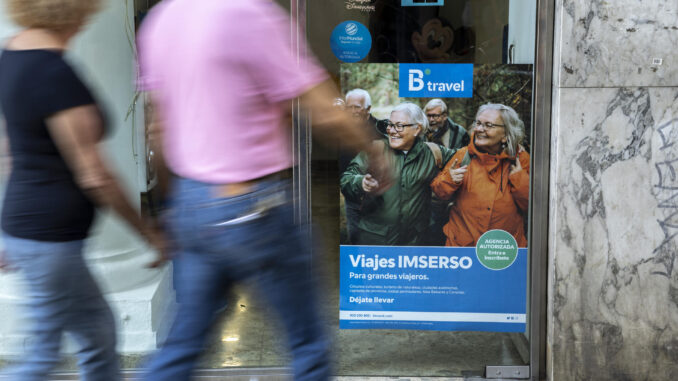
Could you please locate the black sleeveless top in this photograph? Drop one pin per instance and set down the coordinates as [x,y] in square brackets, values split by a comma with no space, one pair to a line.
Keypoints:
[42,201]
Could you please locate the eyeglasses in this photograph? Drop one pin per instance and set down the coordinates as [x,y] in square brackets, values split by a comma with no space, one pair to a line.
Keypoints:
[487,125]
[399,127]
[355,108]
[434,116]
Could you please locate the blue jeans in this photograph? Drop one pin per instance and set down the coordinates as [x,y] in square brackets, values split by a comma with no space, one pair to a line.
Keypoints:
[62,297]
[224,240]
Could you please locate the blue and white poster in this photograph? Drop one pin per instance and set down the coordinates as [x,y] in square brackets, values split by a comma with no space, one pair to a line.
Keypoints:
[436,243]
[350,41]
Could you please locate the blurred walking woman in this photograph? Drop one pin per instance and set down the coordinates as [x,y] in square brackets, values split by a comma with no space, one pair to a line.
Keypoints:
[58,176]
[489,179]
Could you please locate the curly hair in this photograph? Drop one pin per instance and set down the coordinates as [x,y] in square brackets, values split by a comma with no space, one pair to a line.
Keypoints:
[56,15]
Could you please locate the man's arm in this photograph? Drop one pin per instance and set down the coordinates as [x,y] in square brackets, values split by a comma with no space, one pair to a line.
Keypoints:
[155,139]
[351,180]
[331,124]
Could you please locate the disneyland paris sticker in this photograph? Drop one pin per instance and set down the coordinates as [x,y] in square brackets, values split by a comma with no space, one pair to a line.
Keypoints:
[361,5]
[350,41]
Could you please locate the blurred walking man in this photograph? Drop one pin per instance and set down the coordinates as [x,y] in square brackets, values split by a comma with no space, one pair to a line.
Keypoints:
[221,75]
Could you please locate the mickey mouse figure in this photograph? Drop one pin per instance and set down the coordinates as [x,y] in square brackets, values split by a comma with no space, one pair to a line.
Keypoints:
[436,42]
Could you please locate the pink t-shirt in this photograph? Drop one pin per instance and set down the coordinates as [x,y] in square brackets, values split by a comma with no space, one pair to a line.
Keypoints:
[220,71]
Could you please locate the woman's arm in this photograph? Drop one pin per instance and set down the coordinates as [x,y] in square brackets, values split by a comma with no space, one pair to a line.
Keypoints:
[448,153]
[76,133]
[519,181]
[444,185]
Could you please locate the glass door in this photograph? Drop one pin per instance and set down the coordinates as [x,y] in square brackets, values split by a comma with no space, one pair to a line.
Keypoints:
[424,283]
[398,301]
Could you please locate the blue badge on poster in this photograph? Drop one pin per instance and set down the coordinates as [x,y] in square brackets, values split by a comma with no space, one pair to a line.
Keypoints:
[422,3]
[351,41]
[435,80]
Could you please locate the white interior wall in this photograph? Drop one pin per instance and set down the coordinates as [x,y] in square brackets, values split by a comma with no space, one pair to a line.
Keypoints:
[522,30]
[103,54]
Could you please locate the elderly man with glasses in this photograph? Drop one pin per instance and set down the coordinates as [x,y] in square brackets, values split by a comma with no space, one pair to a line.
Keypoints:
[442,130]
[400,215]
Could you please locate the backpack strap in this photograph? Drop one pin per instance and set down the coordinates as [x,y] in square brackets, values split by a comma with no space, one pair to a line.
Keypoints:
[437,154]
[467,158]
[454,141]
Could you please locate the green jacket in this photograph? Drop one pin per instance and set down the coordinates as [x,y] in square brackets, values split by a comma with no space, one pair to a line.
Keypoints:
[400,216]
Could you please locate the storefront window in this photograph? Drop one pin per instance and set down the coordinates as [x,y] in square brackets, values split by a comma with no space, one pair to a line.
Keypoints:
[430,275]
[427,277]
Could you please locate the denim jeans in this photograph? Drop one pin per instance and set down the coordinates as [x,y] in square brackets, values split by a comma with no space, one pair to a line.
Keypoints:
[62,296]
[225,240]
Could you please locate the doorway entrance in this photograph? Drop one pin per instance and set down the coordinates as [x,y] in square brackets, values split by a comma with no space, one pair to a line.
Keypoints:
[497,39]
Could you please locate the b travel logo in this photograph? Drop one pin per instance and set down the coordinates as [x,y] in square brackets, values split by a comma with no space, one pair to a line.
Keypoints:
[435,80]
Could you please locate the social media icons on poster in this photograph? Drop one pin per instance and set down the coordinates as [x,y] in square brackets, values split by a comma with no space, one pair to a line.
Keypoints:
[351,41]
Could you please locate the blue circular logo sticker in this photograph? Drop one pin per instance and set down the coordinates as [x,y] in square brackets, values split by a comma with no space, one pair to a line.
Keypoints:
[351,41]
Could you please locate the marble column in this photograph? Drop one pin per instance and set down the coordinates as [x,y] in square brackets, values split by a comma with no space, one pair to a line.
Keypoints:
[613,275]
[104,57]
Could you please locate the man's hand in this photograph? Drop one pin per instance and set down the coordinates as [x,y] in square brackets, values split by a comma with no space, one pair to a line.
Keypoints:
[457,173]
[156,238]
[380,168]
[4,265]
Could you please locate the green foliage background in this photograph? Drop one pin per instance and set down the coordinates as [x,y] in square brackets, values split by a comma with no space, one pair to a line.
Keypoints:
[492,83]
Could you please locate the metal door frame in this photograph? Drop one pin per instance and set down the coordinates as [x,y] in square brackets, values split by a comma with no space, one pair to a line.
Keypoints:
[539,187]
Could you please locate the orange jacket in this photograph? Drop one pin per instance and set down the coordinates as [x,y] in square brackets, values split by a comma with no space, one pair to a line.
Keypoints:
[488,198]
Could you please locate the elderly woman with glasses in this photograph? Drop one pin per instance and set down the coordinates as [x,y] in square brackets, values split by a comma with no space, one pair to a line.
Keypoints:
[489,179]
[400,214]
